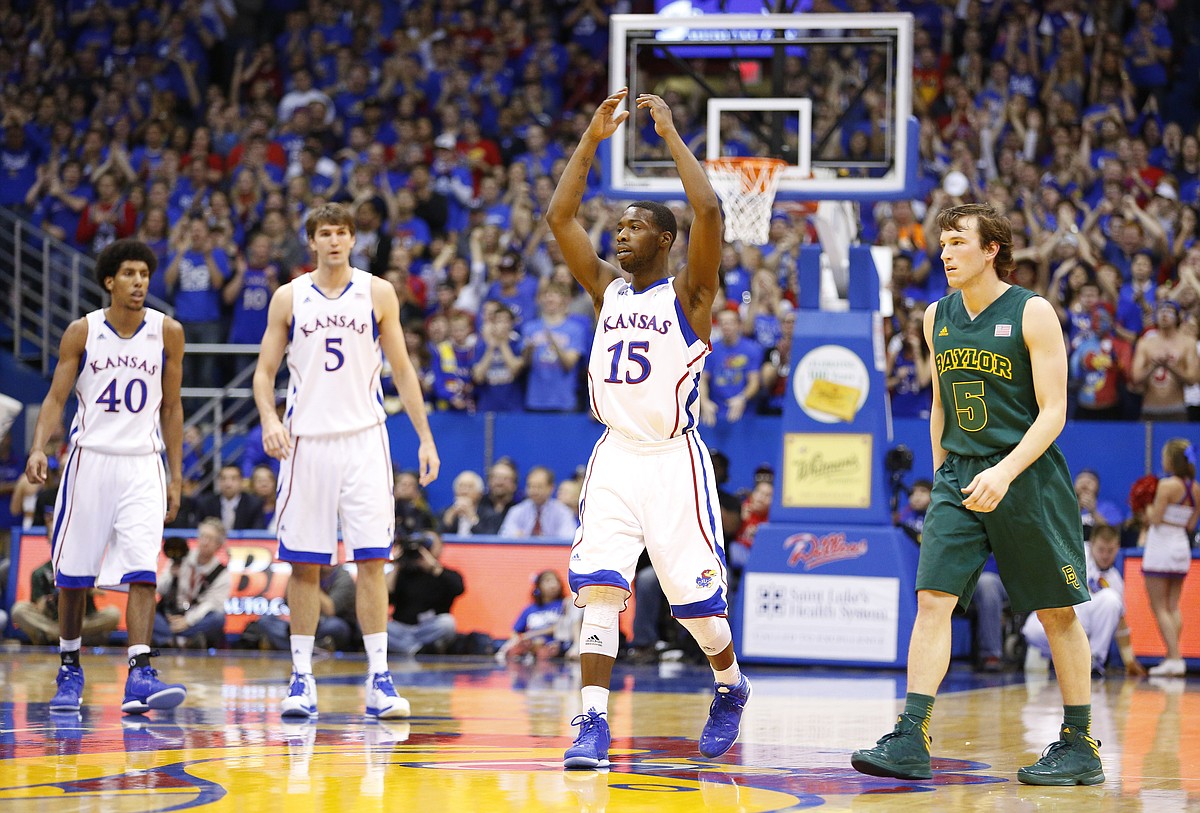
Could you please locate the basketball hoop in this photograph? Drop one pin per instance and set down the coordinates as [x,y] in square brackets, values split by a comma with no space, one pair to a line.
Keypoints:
[746,187]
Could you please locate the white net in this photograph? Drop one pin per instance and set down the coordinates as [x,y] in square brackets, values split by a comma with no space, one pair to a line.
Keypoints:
[746,187]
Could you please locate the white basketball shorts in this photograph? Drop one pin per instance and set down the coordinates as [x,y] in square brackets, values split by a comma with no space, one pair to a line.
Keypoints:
[661,496]
[328,476]
[108,520]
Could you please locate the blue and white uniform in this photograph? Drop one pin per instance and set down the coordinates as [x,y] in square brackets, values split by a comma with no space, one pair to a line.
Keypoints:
[108,516]
[340,462]
[650,482]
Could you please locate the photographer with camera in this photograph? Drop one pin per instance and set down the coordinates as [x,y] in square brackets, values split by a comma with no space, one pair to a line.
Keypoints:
[38,617]
[193,591]
[421,591]
[897,462]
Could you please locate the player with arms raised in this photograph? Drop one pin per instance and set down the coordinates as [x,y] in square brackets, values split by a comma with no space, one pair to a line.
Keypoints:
[649,483]
[1000,486]
[333,442]
[125,364]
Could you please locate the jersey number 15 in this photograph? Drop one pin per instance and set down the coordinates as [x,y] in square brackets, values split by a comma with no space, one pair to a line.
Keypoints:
[635,358]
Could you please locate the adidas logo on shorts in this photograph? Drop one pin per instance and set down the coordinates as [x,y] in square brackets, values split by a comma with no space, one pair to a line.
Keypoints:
[593,640]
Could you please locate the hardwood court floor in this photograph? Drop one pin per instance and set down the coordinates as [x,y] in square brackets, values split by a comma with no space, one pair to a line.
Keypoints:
[488,738]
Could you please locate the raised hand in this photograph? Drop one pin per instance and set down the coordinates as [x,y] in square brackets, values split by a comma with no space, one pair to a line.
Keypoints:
[659,111]
[606,120]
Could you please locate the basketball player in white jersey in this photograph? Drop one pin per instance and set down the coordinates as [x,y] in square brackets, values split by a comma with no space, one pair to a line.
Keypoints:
[333,444]
[649,482]
[125,364]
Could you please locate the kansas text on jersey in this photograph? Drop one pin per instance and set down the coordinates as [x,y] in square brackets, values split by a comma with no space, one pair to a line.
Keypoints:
[644,371]
[334,359]
[119,388]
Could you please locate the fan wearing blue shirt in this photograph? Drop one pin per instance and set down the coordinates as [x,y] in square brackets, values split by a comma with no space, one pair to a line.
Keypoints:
[453,387]
[63,202]
[1135,302]
[533,634]
[731,374]
[513,289]
[409,230]
[554,346]
[19,159]
[249,291]
[498,364]
[734,277]
[195,275]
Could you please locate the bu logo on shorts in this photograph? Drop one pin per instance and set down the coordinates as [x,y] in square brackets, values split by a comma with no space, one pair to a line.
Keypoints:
[705,578]
[1069,575]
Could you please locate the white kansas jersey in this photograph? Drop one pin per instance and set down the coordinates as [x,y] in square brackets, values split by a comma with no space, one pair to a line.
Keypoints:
[119,388]
[334,359]
[644,372]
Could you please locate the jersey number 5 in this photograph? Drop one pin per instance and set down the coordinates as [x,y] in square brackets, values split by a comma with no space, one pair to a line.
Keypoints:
[635,357]
[969,407]
[331,347]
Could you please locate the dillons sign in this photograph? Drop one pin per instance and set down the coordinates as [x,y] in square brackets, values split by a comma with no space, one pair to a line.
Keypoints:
[812,551]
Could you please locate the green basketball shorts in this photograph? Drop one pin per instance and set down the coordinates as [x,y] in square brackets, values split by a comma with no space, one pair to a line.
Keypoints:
[1035,534]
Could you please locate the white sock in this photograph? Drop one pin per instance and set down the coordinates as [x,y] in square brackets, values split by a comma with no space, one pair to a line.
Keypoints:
[138,649]
[595,697]
[376,646]
[302,647]
[729,676]
[72,645]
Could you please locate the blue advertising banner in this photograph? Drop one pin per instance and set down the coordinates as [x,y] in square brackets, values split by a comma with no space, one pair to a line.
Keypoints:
[827,594]
[836,425]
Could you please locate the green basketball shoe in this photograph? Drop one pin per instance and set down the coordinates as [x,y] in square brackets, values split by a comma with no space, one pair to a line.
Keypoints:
[1073,760]
[902,753]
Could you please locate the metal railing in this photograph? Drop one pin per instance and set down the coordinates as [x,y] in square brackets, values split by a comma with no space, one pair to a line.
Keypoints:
[47,284]
[227,410]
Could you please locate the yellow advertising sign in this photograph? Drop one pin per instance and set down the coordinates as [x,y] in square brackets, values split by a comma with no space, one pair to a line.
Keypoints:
[838,400]
[827,470]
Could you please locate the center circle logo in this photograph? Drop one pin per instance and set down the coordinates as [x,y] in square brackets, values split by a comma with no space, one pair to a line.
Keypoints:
[837,365]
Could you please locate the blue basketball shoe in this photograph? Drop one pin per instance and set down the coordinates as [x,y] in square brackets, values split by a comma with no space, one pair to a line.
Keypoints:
[69,697]
[724,717]
[591,746]
[144,691]
[382,700]
[302,697]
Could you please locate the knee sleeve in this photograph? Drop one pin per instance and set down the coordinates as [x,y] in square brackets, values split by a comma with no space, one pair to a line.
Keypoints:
[599,634]
[712,633]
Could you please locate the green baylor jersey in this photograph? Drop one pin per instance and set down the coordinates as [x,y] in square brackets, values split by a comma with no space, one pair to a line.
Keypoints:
[984,374]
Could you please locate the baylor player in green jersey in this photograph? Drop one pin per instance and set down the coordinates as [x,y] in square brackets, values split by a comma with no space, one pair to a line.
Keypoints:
[1001,487]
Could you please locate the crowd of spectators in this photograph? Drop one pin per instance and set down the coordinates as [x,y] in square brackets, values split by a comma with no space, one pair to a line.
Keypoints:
[1080,121]
[209,127]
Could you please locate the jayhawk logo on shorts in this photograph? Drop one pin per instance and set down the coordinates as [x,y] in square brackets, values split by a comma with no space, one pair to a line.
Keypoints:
[705,578]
